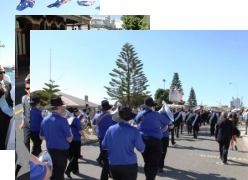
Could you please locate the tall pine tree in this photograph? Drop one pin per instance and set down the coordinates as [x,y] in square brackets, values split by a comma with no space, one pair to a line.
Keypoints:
[136,22]
[128,82]
[192,99]
[176,82]
[46,93]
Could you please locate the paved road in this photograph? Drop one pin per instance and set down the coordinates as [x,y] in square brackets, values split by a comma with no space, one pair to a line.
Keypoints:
[189,159]
[23,154]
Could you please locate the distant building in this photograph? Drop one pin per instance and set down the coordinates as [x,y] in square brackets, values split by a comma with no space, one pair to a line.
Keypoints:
[236,103]
[105,23]
[25,23]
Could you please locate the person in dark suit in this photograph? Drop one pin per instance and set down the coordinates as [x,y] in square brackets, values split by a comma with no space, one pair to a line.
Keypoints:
[178,121]
[212,120]
[223,135]
[188,121]
[196,122]
[6,108]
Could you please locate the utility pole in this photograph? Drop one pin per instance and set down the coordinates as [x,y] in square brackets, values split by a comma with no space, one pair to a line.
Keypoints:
[164,83]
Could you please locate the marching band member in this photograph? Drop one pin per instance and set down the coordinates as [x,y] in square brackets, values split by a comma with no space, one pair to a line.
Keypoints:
[57,133]
[178,121]
[149,123]
[165,141]
[75,145]
[212,119]
[35,123]
[188,121]
[103,122]
[120,141]
[196,122]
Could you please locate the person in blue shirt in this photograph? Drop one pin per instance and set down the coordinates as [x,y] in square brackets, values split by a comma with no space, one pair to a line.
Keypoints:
[103,122]
[38,170]
[149,124]
[165,143]
[75,145]
[35,123]
[120,141]
[56,131]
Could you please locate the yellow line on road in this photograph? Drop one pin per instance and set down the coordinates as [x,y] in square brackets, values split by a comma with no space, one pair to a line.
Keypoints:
[17,112]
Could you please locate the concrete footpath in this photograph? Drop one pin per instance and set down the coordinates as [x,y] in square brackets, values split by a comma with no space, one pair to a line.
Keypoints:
[243,139]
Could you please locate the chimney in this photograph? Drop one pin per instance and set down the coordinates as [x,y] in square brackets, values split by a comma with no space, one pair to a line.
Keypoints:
[86,98]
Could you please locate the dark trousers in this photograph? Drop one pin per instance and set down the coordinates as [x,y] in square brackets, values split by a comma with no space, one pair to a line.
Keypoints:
[212,129]
[177,130]
[165,144]
[59,159]
[104,157]
[74,153]
[35,137]
[125,172]
[224,146]
[151,156]
[4,125]
[172,136]
[100,146]
[189,126]
[26,132]
[181,127]
[195,131]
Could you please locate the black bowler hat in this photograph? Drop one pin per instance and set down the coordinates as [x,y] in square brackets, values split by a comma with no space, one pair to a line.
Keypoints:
[75,109]
[105,105]
[35,100]
[70,109]
[55,102]
[148,103]
[123,114]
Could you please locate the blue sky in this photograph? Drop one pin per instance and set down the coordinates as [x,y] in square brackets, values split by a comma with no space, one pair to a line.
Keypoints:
[41,6]
[205,60]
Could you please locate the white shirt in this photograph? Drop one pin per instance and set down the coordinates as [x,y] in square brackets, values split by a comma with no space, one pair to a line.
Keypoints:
[7,78]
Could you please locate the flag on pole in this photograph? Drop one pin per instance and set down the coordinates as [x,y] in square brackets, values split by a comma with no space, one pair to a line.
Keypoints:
[98,8]
[58,3]
[25,4]
[85,3]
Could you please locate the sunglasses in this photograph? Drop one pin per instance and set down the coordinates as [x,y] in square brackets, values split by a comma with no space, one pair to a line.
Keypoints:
[2,72]
[27,88]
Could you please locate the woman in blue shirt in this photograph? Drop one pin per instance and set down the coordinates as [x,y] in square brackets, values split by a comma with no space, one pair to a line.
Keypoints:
[120,141]
[75,145]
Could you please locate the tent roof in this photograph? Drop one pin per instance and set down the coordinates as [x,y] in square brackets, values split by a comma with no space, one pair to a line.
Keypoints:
[75,101]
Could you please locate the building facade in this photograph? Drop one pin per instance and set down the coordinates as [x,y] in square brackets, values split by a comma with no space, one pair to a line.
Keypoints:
[25,23]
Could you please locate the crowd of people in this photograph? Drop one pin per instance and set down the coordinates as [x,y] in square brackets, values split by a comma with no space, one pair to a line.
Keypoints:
[119,133]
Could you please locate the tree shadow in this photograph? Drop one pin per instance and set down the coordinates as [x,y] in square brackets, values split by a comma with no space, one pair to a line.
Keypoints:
[82,176]
[192,148]
[189,175]
[88,161]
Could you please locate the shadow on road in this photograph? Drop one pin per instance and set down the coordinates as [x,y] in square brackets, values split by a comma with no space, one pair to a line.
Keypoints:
[192,148]
[189,175]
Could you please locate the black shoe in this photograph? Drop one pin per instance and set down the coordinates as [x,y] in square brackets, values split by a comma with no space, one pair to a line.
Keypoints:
[173,143]
[99,162]
[68,175]
[75,172]
[160,170]
[235,147]
[80,156]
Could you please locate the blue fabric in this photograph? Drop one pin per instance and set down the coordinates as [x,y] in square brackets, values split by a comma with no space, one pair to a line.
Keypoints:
[104,124]
[85,3]
[37,172]
[55,129]
[167,132]
[58,3]
[35,119]
[75,127]
[25,4]
[151,124]
[120,141]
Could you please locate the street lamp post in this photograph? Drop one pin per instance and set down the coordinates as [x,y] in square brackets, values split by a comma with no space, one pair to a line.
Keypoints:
[237,94]
[164,83]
